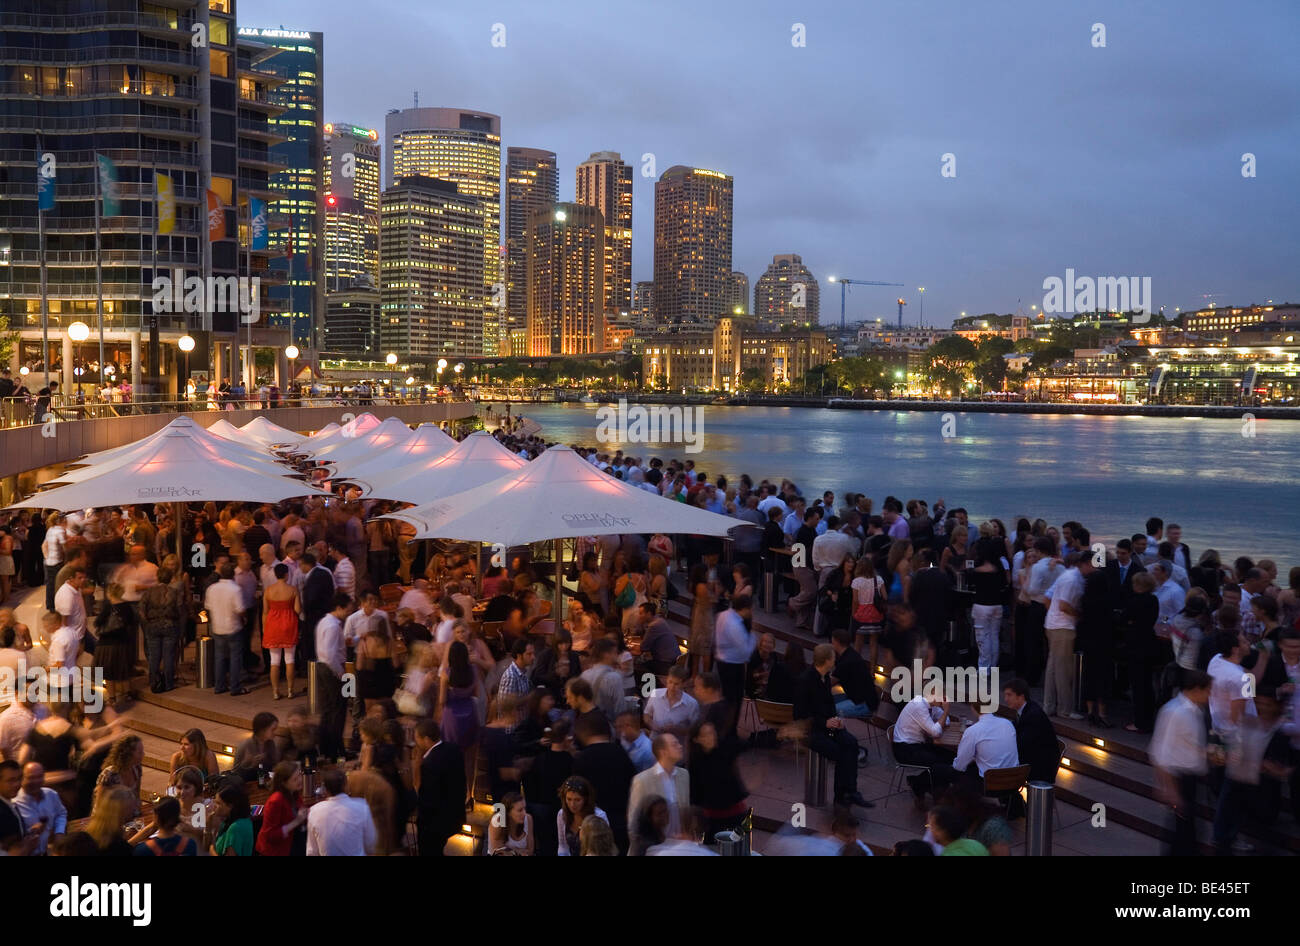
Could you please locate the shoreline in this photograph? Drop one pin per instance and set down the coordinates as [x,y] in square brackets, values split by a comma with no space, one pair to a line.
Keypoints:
[1208,411]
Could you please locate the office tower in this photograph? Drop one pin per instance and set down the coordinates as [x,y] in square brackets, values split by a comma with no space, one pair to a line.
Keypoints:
[643,300]
[604,181]
[566,281]
[738,294]
[532,184]
[431,270]
[464,147]
[299,99]
[149,102]
[777,294]
[352,317]
[692,256]
[351,180]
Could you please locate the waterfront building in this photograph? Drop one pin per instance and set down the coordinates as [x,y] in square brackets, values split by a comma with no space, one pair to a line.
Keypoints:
[732,356]
[566,280]
[692,252]
[738,294]
[1219,321]
[352,317]
[351,180]
[532,184]
[604,181]
[787,291]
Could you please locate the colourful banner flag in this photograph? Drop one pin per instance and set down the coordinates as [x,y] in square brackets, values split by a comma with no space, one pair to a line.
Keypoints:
[165,201]
[216,217]
[257,224]
[108,190]
[45,180]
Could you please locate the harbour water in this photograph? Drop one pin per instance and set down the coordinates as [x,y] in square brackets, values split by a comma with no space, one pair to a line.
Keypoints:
[1232,485]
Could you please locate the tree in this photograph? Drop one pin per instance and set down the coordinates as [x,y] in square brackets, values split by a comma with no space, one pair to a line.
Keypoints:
[751,380]
[8,341]
[1047,353]
[949,361]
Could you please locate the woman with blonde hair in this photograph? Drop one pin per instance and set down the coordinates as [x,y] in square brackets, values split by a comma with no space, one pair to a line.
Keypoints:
[113,809]
[382,802]
[597,838]
[123,768]
[116,627]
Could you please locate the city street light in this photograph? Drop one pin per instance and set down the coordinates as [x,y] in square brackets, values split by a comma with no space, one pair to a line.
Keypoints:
[186,344]
[390,360]
[78,332]
[291,352]
[921,290]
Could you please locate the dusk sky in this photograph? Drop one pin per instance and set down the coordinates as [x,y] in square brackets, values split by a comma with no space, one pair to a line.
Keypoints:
[1116,161]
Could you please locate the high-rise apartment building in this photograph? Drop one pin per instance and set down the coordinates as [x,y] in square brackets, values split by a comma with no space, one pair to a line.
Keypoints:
[643,300]
[351,180]
[464,147]
[126,83]
[352,317]
[431,270]
[604,181]
[299,105]
[692,258]
[566,281]
[787,291]
[532,184]
[738,294]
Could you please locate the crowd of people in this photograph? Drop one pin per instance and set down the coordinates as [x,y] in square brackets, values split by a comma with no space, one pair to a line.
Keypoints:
[469,684]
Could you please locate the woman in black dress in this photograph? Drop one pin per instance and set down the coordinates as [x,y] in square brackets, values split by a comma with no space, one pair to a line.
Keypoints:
[1139,623]
[376,665]
[115,630]
[715,780]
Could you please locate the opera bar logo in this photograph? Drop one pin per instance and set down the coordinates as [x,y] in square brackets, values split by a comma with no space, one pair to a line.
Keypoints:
[167,492]
[1077,294]
[595,519]
[177,293]
[658,423]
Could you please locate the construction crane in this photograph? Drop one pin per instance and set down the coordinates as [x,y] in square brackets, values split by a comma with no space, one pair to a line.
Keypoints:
[846,282]
[901,302]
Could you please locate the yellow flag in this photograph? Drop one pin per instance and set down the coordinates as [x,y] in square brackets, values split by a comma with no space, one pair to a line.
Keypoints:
[166,202]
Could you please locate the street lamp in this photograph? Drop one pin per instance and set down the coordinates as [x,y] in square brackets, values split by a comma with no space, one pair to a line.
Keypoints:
[921,290]
[390,360]
[186,344]
[78,332]
[291,352]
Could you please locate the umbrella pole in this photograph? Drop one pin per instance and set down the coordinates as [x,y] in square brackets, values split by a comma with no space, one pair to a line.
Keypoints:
[177,512]
[478,551]
[558,604]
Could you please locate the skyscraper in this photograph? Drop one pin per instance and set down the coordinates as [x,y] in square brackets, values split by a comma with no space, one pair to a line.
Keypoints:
[87,79]
[566,281]
[351,206]
[604,181]
[692,244]
[738,293]
[643,300]
[532,184]
[431,270]
[299,98]
[787,291]
[464,147]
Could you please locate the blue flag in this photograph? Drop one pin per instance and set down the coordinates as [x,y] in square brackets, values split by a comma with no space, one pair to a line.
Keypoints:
[45,181]
[108,190]
[257,224]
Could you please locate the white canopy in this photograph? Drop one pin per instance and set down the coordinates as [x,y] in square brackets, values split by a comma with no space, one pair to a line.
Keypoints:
[263,431]
[326,436]
[477,459]
[366,444]
[558,496]
[427,442]
[224,429]
[229,448]
[176,467]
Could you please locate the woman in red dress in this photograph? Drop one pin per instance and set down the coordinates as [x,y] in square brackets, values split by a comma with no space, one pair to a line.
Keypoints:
[284,812]
[280,607]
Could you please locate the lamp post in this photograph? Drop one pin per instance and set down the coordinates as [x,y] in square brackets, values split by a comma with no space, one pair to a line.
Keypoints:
[442,362]
[921,291]
[291,352]
[78,332]
[391,360]
[186,344]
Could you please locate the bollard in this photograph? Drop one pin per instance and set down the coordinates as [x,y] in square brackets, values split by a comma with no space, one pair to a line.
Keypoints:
[1078,683]
[1038,819]
[203,663]
[313,697]
[729,844]
[768,585]
[814,780]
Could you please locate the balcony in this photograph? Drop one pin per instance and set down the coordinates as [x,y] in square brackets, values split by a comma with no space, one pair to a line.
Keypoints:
[120,224]
[138,88]
[80,22]
[161,125]
[72,258]
[262,159]
[181,59]
[23,190]
[260,129]
[150,158]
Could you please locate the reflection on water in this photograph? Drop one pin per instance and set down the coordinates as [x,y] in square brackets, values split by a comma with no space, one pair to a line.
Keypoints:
[1228,492]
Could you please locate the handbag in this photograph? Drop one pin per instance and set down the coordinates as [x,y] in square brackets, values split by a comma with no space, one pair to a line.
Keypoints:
[868,613]
[627,596]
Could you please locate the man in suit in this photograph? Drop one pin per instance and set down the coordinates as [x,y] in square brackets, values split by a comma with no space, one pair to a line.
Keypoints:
[666,780]
[604,763]
[15,836]
[1182,554]
[317,601]
[1120,571]
[1035,736]
[827,736]
[932,600]
[854,675]
[441,806]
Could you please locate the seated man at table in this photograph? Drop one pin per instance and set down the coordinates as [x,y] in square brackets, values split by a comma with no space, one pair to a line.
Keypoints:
[826,733]
[854,675]
[419,601]
[659,646]
[913,745]
[990,743]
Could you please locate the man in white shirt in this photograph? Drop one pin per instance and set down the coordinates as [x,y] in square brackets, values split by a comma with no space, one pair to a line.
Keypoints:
[1064,597]
[137,574]
[266,566]
[665,779]
[70,603]
[224,602]
[831,548]
[990,743]
[916,726]
[1177,751]
[418,600]
[670,708]
[1169,595]
[1229,702]
[363,620]
[15,723]
[345,572]
[41,805]
[331,654]
[53,549]
[65,645]
[339,825]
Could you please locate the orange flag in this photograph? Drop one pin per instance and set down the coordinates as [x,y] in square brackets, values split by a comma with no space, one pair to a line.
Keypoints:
[216,217]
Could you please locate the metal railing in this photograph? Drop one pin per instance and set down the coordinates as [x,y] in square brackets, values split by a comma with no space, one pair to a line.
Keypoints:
[20,412]
[71,22]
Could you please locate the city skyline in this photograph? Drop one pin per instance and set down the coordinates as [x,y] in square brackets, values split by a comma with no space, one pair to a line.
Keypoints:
[1066,154]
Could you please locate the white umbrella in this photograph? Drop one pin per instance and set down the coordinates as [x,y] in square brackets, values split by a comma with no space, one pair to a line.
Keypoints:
[353,428]
[267,433]
[558,496]
[224,429]
[364,446]
[477,459]
[177,467]
[215,447]
[427,442]
[228,447]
